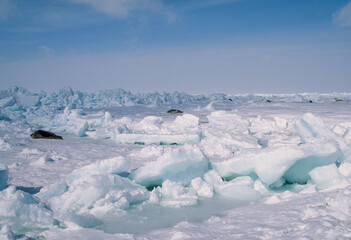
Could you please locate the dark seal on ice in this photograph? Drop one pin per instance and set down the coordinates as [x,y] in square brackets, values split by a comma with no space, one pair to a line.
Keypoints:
[42,134]
[174,111]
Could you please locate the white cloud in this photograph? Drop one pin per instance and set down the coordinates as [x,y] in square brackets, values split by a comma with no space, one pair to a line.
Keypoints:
[195,4]
[343,16]
[6,6]
[122,8]
[46,51]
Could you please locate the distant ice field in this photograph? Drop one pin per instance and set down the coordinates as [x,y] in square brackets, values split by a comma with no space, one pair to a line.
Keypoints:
[228,167]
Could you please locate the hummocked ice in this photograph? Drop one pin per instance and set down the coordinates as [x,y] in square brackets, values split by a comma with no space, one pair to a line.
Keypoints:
[225,166]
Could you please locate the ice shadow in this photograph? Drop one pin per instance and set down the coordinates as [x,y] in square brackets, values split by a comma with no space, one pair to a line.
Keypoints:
[30,190]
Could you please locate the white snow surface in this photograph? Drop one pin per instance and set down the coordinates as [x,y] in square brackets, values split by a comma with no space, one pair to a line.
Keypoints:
[229,167]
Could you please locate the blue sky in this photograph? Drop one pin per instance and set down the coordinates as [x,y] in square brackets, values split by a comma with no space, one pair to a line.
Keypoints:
[197,46]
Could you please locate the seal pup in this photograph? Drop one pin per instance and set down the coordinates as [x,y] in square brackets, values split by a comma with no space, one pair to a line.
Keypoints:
[42,134]
[174,111]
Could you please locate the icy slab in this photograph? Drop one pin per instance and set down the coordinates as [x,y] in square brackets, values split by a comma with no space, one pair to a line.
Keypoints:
[27,101]
[149,130]
[77,232]
[175,195]
[225,134]
[227,120]
[345,169]
[4,174]
[228,137]
[152,130]
[7,102]
[315,155]
[238,189]
[75,123]
[292,163]
[202,188]
[149,124]
[23,212]
[179,165]
[116,165]
[186,123]
[148,152]
[328,177]
[147,139]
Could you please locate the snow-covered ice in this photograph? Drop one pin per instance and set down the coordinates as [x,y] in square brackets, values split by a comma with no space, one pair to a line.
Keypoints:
[230,167]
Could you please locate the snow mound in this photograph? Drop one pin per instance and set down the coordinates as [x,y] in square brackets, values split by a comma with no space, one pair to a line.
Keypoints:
[179,165]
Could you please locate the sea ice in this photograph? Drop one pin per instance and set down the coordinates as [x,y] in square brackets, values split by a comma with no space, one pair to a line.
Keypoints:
[252,152]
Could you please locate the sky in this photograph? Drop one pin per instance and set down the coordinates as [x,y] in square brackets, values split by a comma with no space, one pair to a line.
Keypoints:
[195,46]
